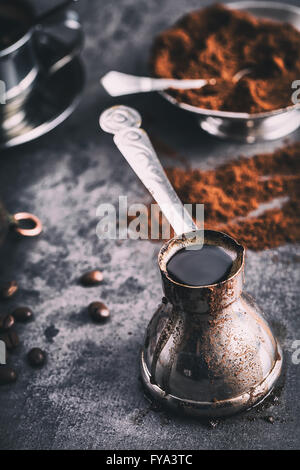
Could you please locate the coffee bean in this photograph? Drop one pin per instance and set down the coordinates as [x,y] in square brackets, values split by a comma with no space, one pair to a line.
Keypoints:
[7,375]
[6,322]
[11,339]
[91,278]
[9,289]
[22,314]
[36,357]
[98,312]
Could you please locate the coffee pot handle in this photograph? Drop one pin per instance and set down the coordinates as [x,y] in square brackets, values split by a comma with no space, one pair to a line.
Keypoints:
[66,23]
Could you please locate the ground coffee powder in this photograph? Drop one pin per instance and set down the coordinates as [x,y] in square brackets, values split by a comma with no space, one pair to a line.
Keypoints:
[238,197]
[217,42]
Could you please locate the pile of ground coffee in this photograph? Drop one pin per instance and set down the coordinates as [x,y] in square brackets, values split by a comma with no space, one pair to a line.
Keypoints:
[217,42]
[235,193]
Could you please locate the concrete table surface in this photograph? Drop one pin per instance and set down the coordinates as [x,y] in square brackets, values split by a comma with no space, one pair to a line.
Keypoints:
[89,395]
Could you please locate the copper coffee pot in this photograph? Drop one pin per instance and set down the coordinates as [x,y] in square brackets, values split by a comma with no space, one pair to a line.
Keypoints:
[208,349]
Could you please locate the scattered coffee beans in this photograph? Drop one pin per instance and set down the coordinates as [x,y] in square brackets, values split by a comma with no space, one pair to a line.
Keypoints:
[6,322]
[36,357]
[7,375]
[98,312]
[9,289]
[91,278]
[11,339]
[22,314]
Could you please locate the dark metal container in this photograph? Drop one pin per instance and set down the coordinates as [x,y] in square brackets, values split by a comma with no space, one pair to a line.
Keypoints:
[209,350]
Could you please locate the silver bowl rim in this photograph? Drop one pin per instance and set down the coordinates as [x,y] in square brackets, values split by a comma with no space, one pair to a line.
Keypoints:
[234,115]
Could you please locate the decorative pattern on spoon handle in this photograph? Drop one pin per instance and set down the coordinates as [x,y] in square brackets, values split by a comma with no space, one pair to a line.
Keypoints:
[136,147]
[113,119]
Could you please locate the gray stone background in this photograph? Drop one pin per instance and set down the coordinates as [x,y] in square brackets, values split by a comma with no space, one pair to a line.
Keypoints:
[89,396]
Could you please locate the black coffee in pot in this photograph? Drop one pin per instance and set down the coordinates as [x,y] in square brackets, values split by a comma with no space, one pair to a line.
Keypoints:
[14,22]
[200,267]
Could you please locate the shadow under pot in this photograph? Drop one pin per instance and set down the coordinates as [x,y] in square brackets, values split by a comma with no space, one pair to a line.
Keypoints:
[208,349]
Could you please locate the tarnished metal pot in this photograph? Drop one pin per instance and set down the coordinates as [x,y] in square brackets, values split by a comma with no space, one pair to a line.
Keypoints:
[208,350]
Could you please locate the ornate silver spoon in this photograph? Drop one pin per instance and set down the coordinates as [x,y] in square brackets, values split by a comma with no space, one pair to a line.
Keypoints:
[135,146]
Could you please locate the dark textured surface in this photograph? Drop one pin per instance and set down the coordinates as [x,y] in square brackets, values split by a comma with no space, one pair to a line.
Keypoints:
[88,395]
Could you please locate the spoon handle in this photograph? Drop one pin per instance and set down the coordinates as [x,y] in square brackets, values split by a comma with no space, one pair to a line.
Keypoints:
[118,83]
[135,146]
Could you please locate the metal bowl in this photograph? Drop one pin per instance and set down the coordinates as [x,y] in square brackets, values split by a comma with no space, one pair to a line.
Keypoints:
[246,127]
